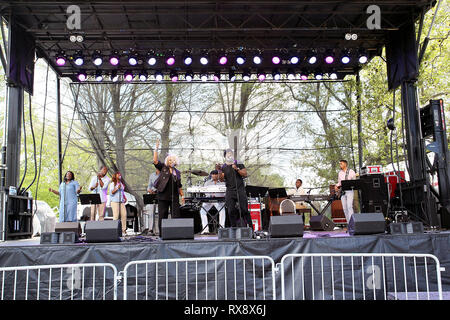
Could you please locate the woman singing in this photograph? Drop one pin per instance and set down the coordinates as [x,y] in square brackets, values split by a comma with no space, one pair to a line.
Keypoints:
[118,199]
[68,200]
[168,186]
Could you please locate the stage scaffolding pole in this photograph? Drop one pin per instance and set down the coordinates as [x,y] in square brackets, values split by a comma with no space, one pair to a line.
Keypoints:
[58,113]
[358,98]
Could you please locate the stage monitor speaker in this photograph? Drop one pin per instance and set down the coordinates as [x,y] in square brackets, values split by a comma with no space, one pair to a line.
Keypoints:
[235,233]
[103,231]
[49,238]
[286,226]
[366,223]
[68,237]
[321,223]
[68,227]
[176,229]
[406,228]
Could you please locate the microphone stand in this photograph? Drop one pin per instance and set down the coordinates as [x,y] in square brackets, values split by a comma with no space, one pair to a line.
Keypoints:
[237,193]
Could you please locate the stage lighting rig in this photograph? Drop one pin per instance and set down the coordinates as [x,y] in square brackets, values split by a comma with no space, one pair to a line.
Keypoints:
[61,58]
[97,58]
[78,58]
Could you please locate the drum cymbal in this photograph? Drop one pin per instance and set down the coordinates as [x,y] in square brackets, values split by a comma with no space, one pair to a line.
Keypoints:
[197,172]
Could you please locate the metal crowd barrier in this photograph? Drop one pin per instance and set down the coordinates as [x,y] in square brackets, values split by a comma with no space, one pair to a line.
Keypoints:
[90,281]
[303,277]
[360,277]
[221,278]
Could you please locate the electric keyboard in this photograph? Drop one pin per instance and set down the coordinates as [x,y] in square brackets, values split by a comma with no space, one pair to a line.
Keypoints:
[311,197]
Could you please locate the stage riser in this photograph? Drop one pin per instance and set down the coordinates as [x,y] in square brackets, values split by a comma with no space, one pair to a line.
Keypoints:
[119,254]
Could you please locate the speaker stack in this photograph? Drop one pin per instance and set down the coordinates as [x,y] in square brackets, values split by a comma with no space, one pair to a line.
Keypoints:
[286,226]
[321,223]
[406,228]
[177,229]
[65,232]
[367,223]
[374,193]
[103,231]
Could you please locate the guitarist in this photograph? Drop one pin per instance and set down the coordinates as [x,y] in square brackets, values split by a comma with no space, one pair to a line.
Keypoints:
[346,196]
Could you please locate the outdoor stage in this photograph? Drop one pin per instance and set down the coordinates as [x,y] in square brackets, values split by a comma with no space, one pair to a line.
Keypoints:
[31,253]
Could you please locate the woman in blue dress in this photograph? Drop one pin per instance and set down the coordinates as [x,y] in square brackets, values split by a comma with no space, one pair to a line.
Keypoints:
[68,200]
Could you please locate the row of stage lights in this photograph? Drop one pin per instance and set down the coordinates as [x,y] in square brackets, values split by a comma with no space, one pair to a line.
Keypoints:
[189,76]
[205,58]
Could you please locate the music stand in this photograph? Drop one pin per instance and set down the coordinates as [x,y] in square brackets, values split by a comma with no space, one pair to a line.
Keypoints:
[93,198]
[150,198]
[351,184]
[256,192]
[277,193]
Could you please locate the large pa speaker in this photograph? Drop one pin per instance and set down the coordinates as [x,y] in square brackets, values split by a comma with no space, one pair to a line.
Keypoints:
[286,226]
[406,228]
[321,223]
[235,233]
[68,227]
[366,223]
[103,231]
[174,229]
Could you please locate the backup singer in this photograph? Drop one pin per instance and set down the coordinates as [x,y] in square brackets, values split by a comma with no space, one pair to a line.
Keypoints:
[206,206]
[234,173]
[346,196]
[118,199]
[68,200]
[99,185]
[168,186]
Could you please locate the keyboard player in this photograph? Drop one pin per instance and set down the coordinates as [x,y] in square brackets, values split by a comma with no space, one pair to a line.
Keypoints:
[219,205]
[297,191]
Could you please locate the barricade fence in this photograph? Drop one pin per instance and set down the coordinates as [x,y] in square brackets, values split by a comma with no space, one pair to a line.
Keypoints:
[221,278]
[303,277]
[89,281]
[360,277]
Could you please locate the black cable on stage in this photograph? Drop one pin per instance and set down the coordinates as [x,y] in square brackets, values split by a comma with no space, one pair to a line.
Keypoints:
[25,150]
[34,144]
[42,139]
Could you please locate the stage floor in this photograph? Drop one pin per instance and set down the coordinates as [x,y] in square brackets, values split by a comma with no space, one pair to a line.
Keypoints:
[29,252]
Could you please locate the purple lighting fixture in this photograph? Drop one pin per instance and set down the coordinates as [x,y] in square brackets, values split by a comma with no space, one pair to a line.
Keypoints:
[170,61]
[216,76]
[261,76]
[276,60]
[61,59]
[223,60]
[174,76]
[81,76]
[329,59]
[114,58]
